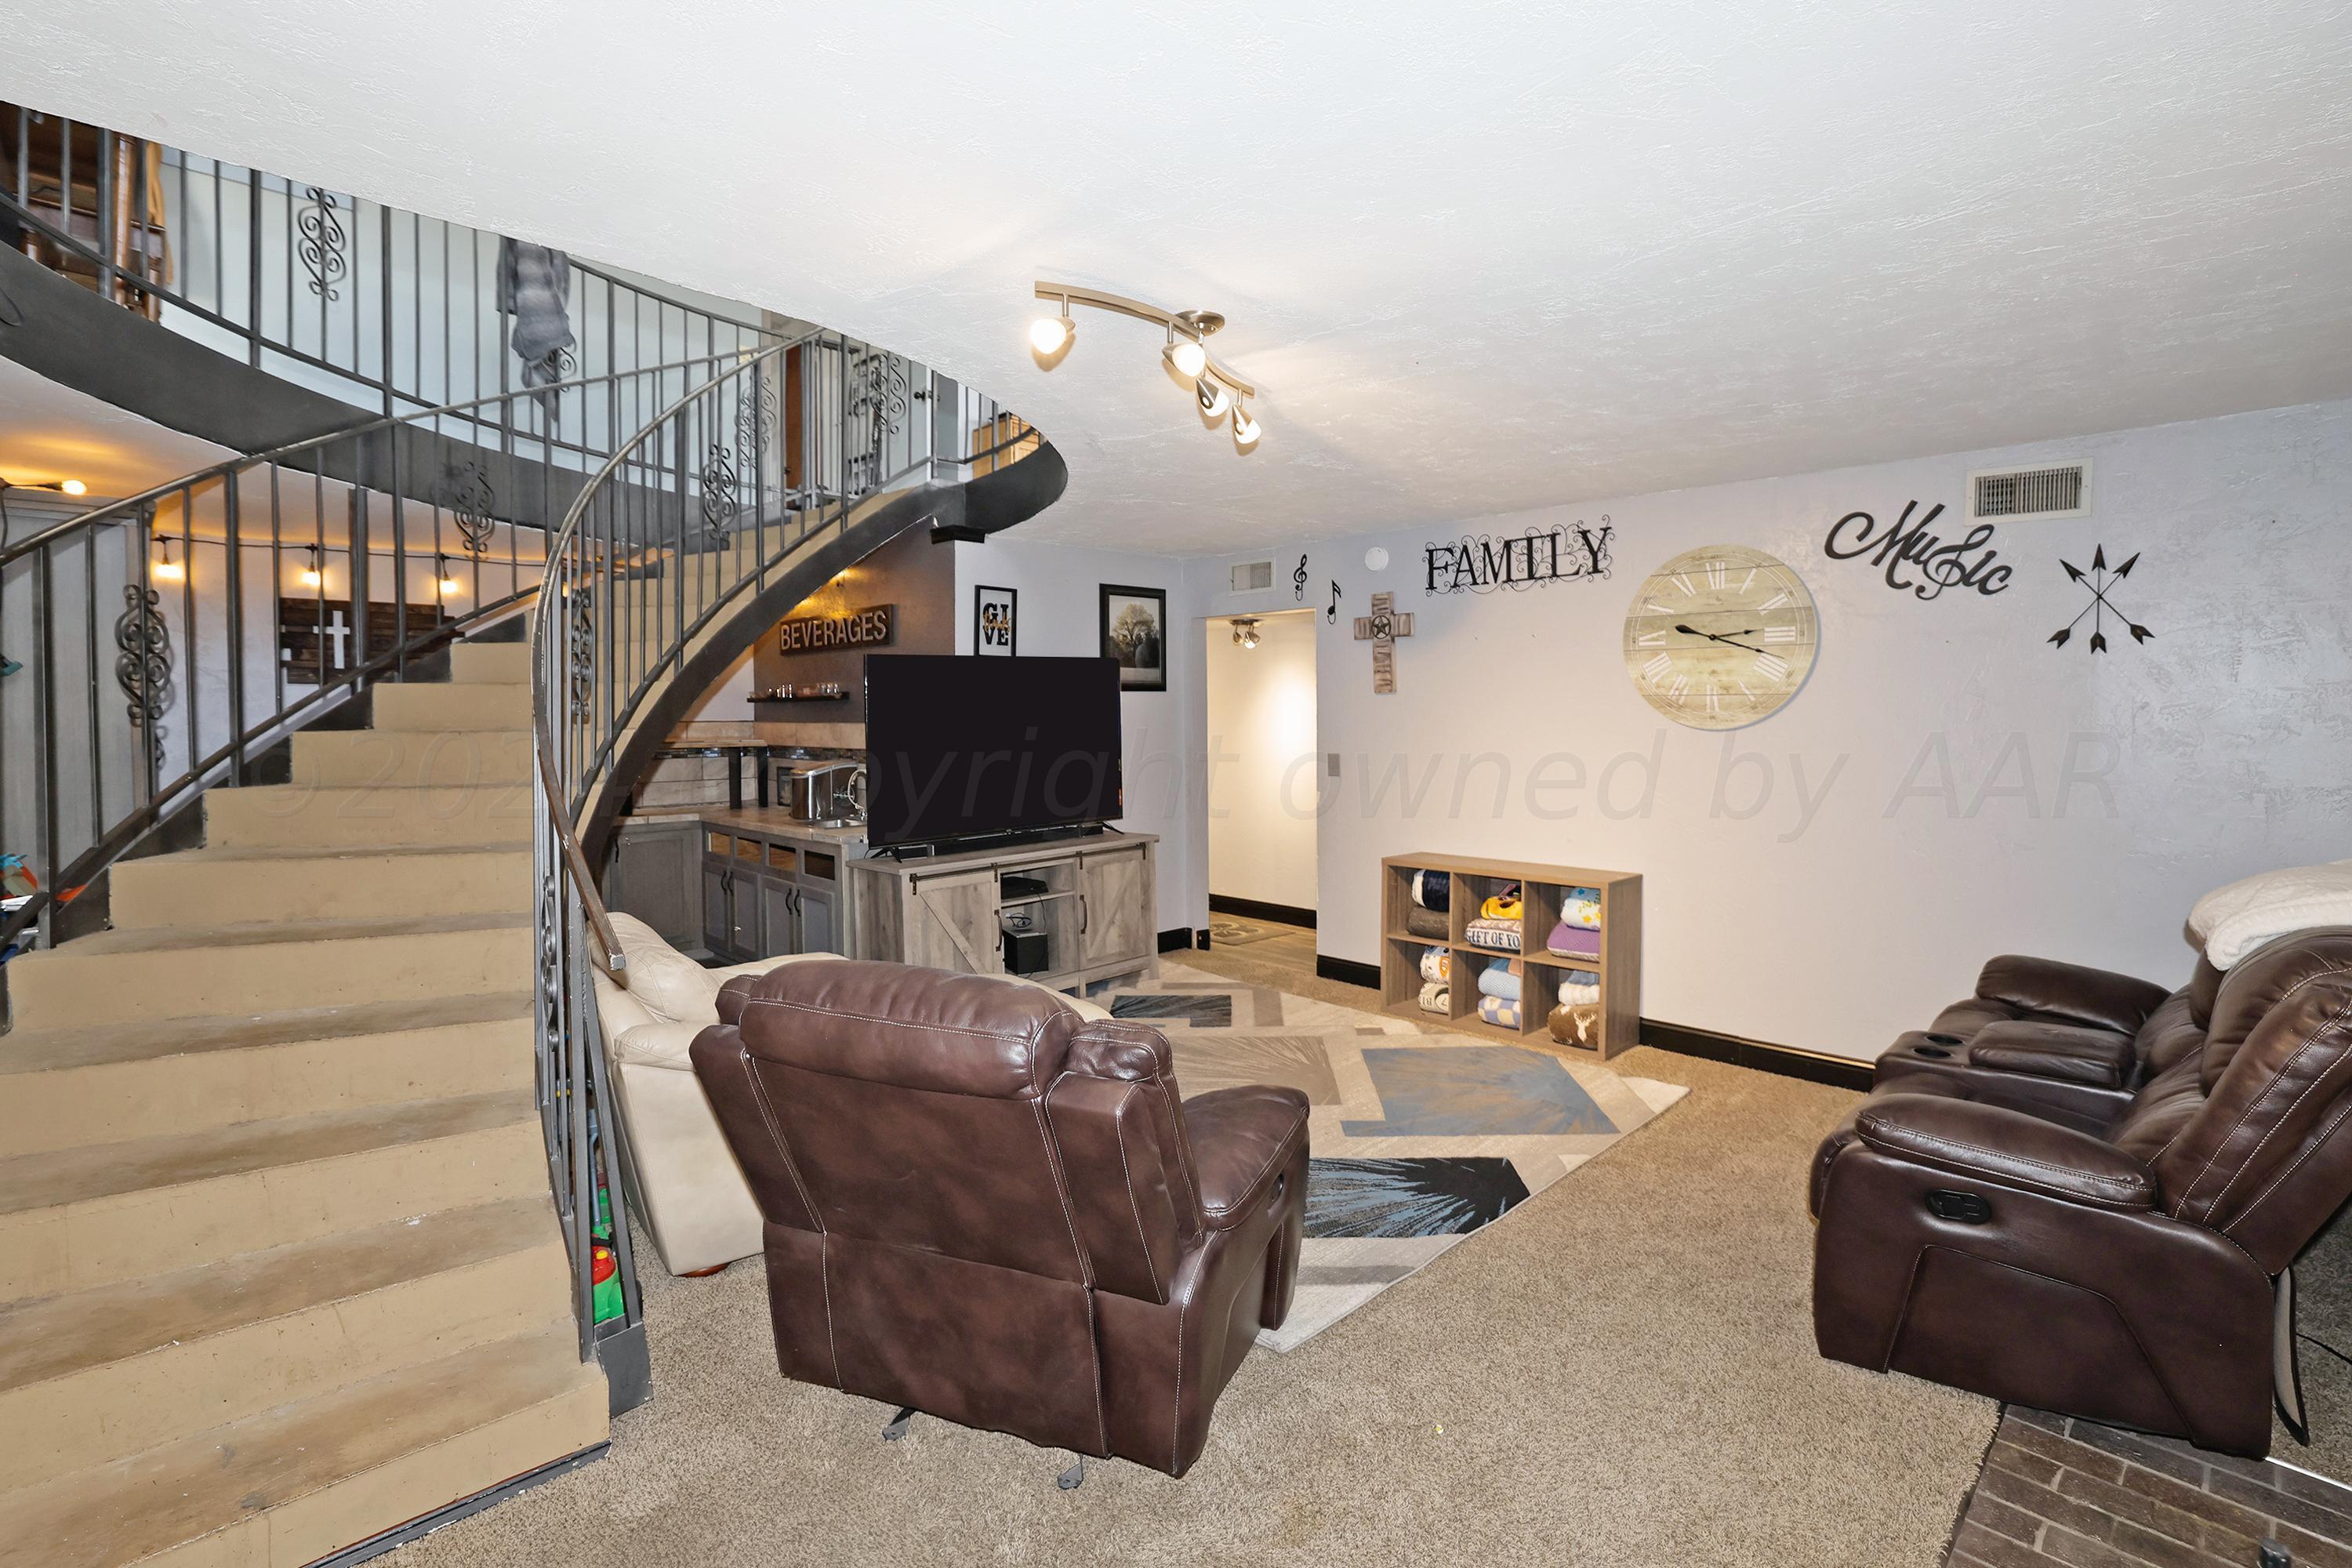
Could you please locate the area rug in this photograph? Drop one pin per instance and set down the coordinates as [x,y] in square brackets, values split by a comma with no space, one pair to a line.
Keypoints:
[1418,1136]
[1226,931]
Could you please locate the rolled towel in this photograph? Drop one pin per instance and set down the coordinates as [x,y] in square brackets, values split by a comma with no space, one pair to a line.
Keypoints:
[1436,998]
[1503,936]
[1573,941]
[1432,891]
[1501,1014]
[1500,978]
[1580,996]
[1426,922]
[1435,961]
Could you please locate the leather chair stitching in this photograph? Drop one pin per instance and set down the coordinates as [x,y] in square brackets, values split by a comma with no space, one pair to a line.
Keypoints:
[1176,1420]
[1184,1137]
[894,1023]
[2290,1168]
[2206,1029]
[2286,1067]
[1118,1129]
[2128,1185]
[2318,1079]
[1251,1186]
[823,1237]
[1062,1191]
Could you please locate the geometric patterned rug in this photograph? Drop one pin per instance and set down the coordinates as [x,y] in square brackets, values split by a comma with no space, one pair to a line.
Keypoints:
[1418,1135]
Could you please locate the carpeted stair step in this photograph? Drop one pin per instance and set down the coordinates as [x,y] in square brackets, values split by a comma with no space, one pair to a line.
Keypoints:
[295,815]
[474,705]
[381,758]
[112,1083]
[172,972]
[212,887]
[104,1373]
[302,1482]
[489,664]
[102,1214]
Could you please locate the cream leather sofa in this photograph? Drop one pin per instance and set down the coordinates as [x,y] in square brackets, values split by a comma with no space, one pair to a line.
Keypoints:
[687,1186]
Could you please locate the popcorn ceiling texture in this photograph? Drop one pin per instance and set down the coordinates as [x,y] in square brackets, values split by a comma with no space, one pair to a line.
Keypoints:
[1481,260]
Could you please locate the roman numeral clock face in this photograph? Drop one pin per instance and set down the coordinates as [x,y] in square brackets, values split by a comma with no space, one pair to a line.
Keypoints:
[1720,637]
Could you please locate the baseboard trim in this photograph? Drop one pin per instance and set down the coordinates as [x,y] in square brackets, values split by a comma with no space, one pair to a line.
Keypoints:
[1176,940]
[1256,909]
[1788,1061]
[1347,970]
[463,1507]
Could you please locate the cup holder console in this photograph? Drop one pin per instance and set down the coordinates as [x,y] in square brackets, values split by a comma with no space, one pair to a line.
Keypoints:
[1938,1052]
[1943,1039]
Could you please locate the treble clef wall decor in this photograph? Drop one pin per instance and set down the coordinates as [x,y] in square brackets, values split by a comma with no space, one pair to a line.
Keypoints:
[1298,582]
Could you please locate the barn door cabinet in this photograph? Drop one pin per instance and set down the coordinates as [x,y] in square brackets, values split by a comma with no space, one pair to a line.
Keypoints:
[1093,899]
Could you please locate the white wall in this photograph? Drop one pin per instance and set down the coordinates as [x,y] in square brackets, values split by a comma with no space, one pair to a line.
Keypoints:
[1059,614]
[1261,744]
[1947,786]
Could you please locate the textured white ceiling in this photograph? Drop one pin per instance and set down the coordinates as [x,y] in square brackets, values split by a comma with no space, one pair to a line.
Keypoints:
[1481,258]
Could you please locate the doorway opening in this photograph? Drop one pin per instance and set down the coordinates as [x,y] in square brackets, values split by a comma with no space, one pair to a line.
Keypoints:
[1263,784]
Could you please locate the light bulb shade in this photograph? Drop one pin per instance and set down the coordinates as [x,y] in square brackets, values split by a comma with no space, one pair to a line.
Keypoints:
[1188,357]
[74,488]
[1214,398]
[1050,334]
[1246,430]
[309,576]
[167,571]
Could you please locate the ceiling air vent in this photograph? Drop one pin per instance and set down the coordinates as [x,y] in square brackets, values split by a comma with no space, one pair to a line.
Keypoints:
[1253,576]
[2015,495]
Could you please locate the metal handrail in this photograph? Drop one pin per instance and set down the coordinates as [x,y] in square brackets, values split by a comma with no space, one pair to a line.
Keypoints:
[354,473]
[300,277]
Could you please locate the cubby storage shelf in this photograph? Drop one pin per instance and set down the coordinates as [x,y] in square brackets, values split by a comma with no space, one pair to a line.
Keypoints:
[1543,889]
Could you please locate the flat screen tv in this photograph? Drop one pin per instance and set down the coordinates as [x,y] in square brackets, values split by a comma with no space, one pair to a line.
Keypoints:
[961,748]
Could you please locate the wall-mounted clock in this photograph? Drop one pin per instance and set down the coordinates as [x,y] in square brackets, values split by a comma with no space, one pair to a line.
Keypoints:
[1720,637]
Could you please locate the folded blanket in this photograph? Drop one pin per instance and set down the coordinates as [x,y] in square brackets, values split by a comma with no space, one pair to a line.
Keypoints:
[1503,906]
[1575,1025]
[1499,935]
[1580,996]
[1426,922]
[1436,998]
[1500,978]
[2232,921]
[1432,891]
[1573,941]
[1501,1014]
[1581,907]
[1434,964]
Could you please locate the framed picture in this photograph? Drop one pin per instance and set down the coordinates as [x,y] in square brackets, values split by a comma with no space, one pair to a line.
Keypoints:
[993,620]
[1135,632]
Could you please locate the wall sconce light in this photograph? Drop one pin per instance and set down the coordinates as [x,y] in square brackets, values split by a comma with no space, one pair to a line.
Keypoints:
[311,575]
[443,578]
[168,570]
[1218,389]
[1245,631]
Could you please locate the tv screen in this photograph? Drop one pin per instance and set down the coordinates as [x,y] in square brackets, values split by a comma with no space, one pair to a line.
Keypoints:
[961,747]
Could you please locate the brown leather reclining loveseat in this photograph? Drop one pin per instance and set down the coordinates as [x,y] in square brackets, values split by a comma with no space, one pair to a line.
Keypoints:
[2076,1190]
[980,1206]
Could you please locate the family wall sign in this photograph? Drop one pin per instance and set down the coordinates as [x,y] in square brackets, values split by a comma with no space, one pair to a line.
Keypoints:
[1480,565]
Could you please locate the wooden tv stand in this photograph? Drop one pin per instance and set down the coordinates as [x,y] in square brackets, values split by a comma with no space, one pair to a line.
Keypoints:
[1098,911]
[1544,888]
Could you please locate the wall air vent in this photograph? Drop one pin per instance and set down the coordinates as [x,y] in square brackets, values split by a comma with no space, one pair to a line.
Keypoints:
[1253,576]
[2016,495]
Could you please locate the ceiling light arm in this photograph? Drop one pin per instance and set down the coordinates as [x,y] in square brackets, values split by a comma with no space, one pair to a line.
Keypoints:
[1195,324]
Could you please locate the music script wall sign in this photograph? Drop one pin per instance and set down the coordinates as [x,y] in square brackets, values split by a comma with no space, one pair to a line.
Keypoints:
[1967,561]
[1480,565]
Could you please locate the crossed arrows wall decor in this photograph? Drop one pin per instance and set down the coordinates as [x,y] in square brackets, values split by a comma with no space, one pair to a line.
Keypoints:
[2101,582]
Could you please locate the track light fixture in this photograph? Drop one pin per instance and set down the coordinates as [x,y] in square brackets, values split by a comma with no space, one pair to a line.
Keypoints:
[312,577]
[167,570]
[1245,631]
[1217,390]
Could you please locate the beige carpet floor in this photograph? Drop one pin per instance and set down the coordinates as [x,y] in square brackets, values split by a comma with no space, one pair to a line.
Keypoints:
[1624,1375]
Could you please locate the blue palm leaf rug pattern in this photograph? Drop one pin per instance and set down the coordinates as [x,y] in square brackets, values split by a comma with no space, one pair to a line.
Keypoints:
[1418,1136]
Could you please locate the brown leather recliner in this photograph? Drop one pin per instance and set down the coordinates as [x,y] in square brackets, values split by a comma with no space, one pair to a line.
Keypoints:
[2121,1268]
[980,1206]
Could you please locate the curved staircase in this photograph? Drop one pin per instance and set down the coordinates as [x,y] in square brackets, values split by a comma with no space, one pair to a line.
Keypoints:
[279,1262]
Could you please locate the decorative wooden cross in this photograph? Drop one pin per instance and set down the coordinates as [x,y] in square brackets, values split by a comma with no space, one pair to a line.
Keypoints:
[1382,628]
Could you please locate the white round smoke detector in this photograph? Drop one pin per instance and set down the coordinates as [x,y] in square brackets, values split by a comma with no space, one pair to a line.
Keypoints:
[1376,558]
